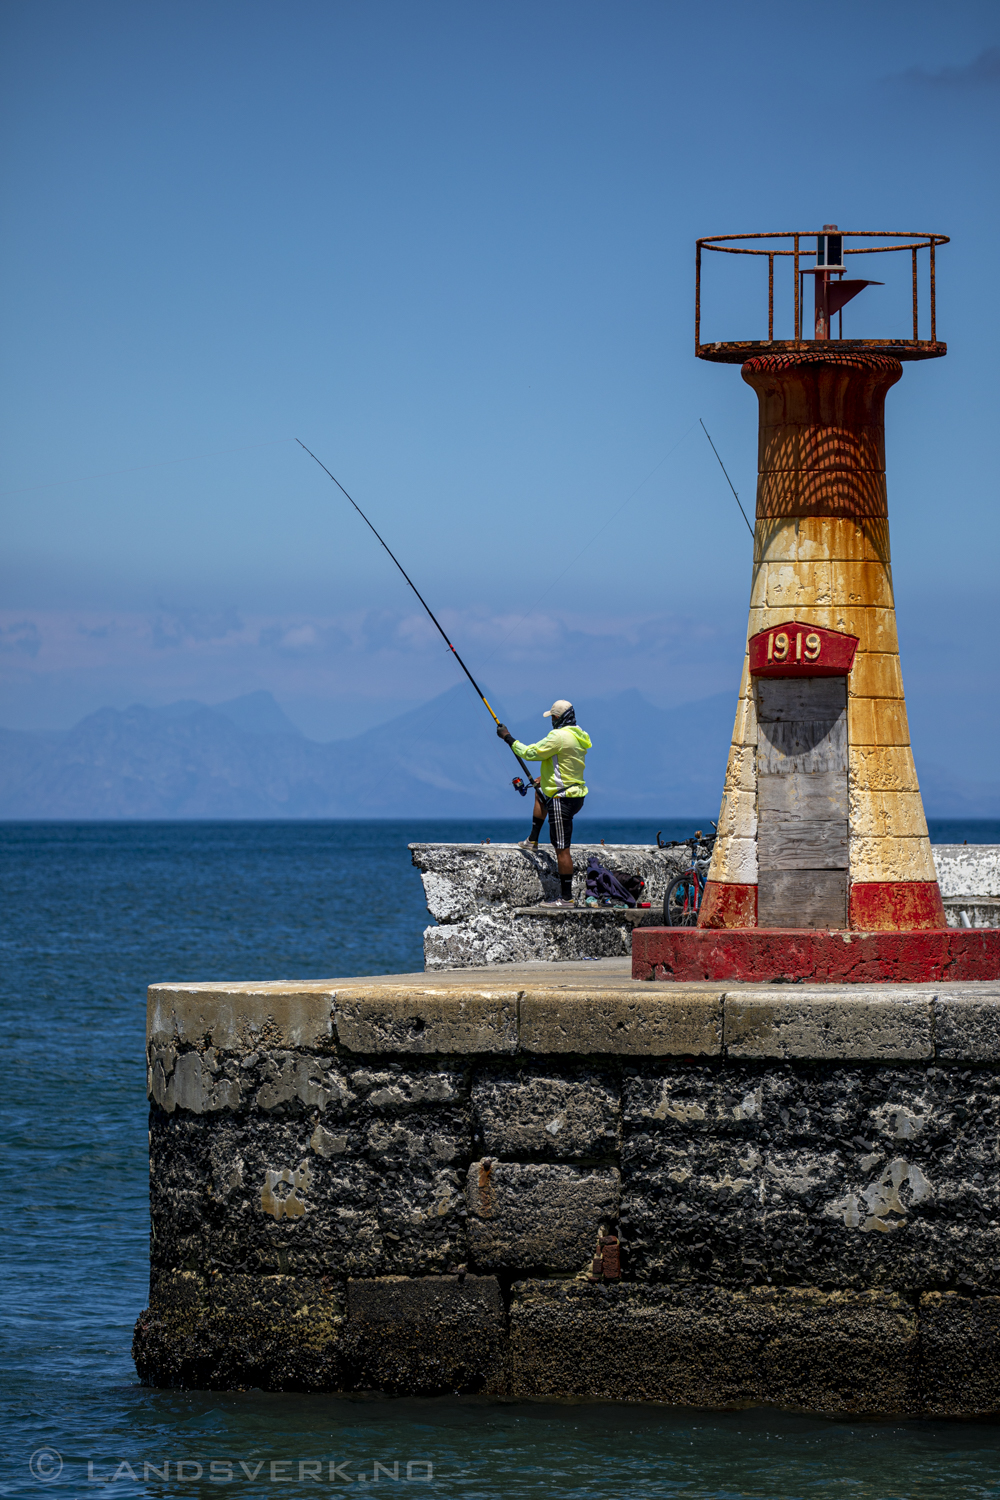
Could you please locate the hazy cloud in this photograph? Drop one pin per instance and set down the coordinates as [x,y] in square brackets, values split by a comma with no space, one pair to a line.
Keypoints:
[302,638]
[341,673]
[23,636]
[178,627]
[982,71]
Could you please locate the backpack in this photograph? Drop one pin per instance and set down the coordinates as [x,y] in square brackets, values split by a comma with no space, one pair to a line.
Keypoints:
[603,882]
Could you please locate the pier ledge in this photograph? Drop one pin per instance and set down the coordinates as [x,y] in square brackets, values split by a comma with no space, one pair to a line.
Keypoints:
[402,1183]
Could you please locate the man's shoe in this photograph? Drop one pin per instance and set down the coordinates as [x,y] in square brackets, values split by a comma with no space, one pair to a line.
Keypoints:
[560,901]
[529,844]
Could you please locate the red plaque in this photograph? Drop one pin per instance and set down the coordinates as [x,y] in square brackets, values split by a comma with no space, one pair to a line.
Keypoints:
[798,649]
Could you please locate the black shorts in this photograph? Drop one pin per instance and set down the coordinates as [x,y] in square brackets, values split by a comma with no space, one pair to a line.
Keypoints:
[561,812]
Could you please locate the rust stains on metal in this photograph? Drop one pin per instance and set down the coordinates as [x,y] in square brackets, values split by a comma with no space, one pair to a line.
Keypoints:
[745,244]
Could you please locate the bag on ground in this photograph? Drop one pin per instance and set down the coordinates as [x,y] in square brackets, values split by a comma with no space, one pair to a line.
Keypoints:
[603,882]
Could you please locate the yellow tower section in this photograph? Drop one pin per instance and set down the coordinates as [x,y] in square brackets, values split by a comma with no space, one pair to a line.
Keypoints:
[822,823]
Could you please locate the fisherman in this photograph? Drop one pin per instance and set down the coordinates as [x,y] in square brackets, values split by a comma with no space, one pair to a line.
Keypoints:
[560,796]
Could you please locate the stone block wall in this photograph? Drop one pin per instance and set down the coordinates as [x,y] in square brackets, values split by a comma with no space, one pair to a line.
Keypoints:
[967,870]
[477,894]
[400,1186]
[969,878]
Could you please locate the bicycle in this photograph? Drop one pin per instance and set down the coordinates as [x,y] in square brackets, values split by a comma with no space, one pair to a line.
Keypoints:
[682,900]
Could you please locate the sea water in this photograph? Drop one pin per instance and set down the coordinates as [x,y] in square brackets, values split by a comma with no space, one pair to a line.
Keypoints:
[91,914]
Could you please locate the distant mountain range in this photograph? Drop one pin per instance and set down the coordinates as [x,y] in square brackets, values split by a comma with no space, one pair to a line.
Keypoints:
[246,759]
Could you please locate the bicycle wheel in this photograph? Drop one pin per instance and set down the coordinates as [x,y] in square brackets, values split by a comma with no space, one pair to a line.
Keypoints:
[680,904]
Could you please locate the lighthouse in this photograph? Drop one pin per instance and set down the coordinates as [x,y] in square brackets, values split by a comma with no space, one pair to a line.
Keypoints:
[821,832]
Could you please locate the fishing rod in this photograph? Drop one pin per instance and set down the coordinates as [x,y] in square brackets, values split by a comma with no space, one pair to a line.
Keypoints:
[517,783]
[728,480]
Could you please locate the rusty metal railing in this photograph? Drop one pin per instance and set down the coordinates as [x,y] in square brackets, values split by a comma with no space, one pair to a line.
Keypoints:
[914,242]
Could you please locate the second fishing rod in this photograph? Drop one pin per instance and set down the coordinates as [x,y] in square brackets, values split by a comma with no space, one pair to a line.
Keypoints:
[518,784]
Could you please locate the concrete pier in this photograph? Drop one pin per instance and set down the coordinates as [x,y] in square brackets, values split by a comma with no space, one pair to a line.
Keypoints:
[484,899]
[400,1184]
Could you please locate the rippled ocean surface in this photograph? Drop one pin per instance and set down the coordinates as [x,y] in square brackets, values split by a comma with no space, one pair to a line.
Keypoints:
[91,914]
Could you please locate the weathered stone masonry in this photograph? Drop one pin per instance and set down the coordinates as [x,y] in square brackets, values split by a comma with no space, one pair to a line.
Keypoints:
[805,1182]
[485,898]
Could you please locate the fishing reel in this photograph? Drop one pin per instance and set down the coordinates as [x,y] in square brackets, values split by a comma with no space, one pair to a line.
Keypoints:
[523,787]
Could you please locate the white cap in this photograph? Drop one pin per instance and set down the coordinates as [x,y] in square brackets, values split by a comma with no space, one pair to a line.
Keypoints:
[557,710]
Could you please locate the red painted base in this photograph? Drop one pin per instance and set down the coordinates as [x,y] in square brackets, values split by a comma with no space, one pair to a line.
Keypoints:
[728,905]
[946,954]
[875,906]
[896,905]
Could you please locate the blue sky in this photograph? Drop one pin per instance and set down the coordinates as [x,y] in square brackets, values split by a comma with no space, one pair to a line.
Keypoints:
[450,246]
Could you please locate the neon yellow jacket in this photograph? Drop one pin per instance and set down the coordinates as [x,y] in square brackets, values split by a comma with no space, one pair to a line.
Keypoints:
[562,754]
